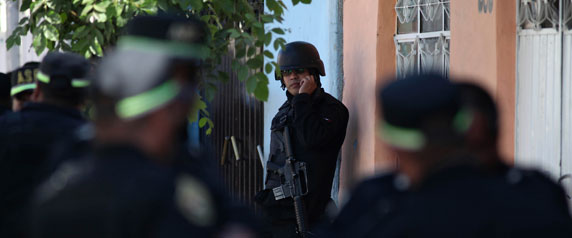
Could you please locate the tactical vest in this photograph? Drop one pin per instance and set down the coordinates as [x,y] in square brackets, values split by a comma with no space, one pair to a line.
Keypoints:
[277,157]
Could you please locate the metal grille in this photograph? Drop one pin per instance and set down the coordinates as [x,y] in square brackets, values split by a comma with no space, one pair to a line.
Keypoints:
[238,115]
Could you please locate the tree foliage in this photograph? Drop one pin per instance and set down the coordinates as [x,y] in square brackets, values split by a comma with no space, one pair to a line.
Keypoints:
[89,27]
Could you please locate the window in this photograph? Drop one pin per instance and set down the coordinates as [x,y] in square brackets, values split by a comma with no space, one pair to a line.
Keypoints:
[423,36]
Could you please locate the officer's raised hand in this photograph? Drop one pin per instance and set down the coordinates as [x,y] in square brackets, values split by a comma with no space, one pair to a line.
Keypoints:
[307,84]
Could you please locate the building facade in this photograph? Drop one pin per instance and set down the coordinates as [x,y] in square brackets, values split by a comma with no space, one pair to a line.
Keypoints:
[519,50]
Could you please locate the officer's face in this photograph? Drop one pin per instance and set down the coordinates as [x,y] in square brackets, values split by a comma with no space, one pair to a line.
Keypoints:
[293,79]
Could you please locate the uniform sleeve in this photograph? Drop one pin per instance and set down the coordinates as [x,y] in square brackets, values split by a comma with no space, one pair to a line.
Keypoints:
[316,128]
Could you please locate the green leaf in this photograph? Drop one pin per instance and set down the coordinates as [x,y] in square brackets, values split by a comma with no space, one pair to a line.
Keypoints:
[255,62]
[251,51]
[267,18]
[209,131]
[79,32]
[96,45]
[102,6]
[234,33]
[306,1]
[101,17]
[99,36]
[36,6]
[86,11]
[197,5]
[268,68]
[80,45]
[278,31]
[242,73]
[240,52]
[202,122]
[23,20]
[258,25]
[51,33]
[223,76]
[267,38]
[9,42]
[63,17]
[39,44]
[249,17]
[268,54]
[87,2]
[294,2]
[210,92]
[261,91]
[274,6]
[251,84]
[279,43]
[25,5]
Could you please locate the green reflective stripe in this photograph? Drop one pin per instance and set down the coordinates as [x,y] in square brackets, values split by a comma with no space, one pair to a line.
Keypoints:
[79,83]
[404,138]
[144,102]
[167,47]
[23,87]
[463,119]
[43,78]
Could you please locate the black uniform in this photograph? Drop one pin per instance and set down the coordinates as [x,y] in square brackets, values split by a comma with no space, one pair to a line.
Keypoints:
[26,139]
[456,202]
[452,195]
[317,126]
[118,191]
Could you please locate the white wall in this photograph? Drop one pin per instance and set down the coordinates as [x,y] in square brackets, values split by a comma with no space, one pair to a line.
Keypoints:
[17,55]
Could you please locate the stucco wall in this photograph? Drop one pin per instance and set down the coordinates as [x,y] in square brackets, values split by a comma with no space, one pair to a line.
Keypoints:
[483,49]
[360,74]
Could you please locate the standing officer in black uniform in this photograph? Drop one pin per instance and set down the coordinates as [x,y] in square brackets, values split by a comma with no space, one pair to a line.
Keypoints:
[27,136]
[317,125]
[23,82]
[130,184]
[439,188]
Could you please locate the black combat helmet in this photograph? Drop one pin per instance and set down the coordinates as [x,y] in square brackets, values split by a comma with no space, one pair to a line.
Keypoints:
[300,54]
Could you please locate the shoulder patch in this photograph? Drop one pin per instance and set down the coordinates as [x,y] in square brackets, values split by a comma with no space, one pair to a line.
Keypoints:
[194,201]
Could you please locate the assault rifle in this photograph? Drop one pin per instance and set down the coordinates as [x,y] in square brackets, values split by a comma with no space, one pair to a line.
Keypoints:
[295,184]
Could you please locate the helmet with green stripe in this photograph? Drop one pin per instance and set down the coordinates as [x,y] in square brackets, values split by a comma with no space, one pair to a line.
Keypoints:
[61,70]
[23,79]
[422,110]
[154,63]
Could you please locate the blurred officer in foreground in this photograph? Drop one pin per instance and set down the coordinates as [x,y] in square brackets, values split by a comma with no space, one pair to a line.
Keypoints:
[131,184]
[23,82]
[439,188]
[535,201]
[316,123]
[27,136]
[5,101]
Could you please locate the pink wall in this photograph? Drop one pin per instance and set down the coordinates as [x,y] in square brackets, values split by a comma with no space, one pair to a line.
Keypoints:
[359,60]
[483,50]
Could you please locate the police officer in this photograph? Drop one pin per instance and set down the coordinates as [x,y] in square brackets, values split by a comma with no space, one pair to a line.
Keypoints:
[130,184]
[536,213]
[317,125]
[23,82]
[439,188]
[27,136]
[5,103]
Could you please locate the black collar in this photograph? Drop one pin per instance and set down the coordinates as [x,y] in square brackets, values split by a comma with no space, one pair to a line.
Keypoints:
[45,107]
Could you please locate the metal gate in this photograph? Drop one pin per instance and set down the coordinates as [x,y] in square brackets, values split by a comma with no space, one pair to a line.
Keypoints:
[238,130]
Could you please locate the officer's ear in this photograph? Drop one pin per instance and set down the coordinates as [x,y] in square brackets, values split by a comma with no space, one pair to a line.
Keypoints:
[37,94]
